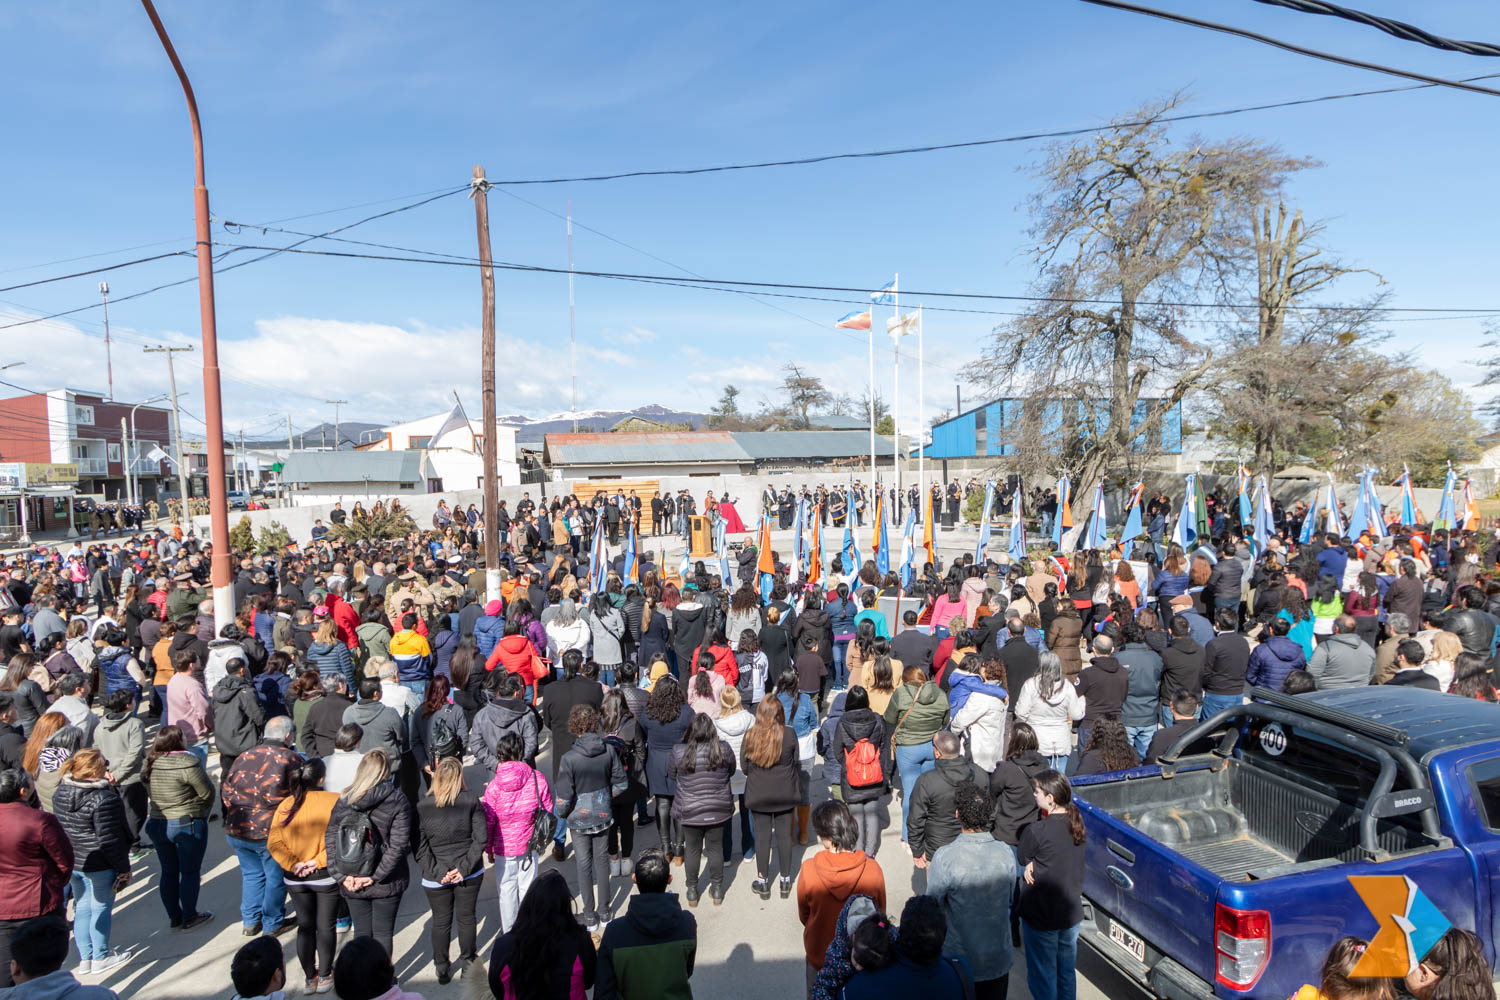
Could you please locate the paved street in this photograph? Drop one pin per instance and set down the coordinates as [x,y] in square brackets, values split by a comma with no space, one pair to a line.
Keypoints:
[747,949]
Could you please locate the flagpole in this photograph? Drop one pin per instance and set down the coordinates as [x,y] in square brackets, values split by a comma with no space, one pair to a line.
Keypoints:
[921,411]
[896,390]
[871,392]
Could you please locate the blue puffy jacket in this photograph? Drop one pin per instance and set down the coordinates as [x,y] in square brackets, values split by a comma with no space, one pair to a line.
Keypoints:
[1272,660]
[488,631]
[113,666]
[332,658]
[443,644]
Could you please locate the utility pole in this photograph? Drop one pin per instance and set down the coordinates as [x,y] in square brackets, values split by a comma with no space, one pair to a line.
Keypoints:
[125,462]
[213,409]
[286,497]
[182,482]
[241,474]
[478,191]
[337,436]
[109,363]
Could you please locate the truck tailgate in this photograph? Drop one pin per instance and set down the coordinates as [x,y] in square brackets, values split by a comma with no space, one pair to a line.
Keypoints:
[1153,902]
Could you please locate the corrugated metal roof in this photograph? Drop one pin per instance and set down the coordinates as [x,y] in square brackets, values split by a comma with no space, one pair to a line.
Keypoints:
[632,449]
[812,444]
[353,467]
[840,422]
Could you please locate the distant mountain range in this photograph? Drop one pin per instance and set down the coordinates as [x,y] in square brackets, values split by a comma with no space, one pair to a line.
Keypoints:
[532,428]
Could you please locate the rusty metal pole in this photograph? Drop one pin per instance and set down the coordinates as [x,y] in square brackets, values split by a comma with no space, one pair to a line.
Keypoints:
[487,387]
[213,415]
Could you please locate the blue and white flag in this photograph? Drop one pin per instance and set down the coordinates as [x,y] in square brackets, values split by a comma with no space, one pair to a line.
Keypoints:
[1447,509]
[1063,517]
[982,547]
[886,296]
[721,545]
[1186,531]
[1097,537]
[598,570]
[1408,499]
[909,550]
[799,546]
[1263,525]
[1335,523]
[850,549]
[630,575]
[883,557]
[686,567]
[1133,528]
[1017,547]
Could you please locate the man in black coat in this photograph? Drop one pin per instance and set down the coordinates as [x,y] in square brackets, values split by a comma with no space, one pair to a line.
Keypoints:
[657,513]
[934,819]
[1181,666]
[1226,660]
[559,700]
[1019,656]
[912,646]
[1102,685]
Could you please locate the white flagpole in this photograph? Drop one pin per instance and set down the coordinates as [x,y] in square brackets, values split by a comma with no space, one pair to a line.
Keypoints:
[921,413]
[896,391]
[871,391]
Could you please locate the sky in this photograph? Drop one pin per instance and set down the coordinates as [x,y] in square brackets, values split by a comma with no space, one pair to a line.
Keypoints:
[319,114]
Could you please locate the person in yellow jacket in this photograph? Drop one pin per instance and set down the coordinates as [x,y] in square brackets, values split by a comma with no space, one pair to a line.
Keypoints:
[412,655]
[296,842]
[1336,983]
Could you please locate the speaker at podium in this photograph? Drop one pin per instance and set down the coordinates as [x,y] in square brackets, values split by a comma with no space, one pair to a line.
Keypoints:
[700,537]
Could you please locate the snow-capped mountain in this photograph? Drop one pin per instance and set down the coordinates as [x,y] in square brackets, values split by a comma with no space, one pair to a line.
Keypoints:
[532,428]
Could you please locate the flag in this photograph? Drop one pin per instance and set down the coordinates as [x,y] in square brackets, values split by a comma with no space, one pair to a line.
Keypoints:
[1200,514]
[157,455]
[597,571]
[1445,514]
[1186,531]
[1062,574]
[1471,509]
[1244,483]
[882,545]
[908,550]
[886,296]
[1133,528]
[815,557]
[901,326]
[1333,523]
[1064,518]
[1096,537]
[1310,522]
[850,549]
[630,575]
[456,421]
[1359,515]
[721,544]
[929,540]
[1264,523]
[1377,512]
[797,527]
[982,547]
[854,321]
[1017,546]
[1408,499]
[764,564]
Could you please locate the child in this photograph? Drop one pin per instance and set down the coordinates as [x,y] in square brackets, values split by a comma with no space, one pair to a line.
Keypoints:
[259,970]
[1336,984]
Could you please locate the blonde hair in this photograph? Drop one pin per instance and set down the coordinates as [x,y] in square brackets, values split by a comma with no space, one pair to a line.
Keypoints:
[730,701]
[374,768]
[447,781]
[327,632]
[1446,646]
[86,765]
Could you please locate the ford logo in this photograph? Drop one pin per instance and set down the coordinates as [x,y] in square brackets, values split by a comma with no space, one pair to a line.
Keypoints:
[1318,826]
[1119,878]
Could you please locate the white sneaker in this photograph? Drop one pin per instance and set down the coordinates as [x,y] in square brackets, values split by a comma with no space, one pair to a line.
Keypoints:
[109,962]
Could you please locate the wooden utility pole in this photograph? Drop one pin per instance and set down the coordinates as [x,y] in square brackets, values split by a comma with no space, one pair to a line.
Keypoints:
[338,439]
[487,386]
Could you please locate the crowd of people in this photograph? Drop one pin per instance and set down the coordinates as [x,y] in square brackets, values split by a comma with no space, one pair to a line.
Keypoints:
[328,730]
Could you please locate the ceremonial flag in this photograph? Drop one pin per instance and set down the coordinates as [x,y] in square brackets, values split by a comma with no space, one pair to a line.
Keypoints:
[1471,509]
[764,564]
[815,560]
[797,543]
[854,321]
[1335,523]
[1359,516]
[630,575]
[1445,514]
[1062,574]
[908,550]
[1064,518]
[901,326]
[1310,522]
[850,549]
[598,572]
[982,547]
[1244,486]
[1264,525]
[1186,531]
[1200,513]
[886,296]
[1133,528]
[1372,503]
[1408,499]
[882,546]
[929,540]
[1096,535]
[721,544]
[1017,546]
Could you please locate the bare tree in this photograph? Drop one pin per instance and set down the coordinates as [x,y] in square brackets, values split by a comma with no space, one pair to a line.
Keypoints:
[1491,368]
[803,392]
[1126,226]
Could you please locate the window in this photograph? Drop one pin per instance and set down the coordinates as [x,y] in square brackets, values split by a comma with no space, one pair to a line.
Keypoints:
[83,415]
[113,451]
[981,443]
[406,486]
[419,442]
[1485,777]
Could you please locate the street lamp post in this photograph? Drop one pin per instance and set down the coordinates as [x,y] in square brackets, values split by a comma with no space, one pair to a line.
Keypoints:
[212,405]
[132,456]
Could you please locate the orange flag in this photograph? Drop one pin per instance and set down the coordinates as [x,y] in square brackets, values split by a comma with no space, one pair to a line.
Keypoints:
[764,562]
[815,554]
[928,542]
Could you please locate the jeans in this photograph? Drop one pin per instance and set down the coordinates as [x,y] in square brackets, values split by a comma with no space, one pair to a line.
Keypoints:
[262,892]
[777,826]
[867,816]
[417,687]
[1051,957]
[840,663]
[513,878]
[1216,703]
[704,840]
[179,844]
[592,851]
[450,903]
[1140,738]
[607,675]
[561,836]
[622,834]
[375,918]
[317,910]
[913,762]
[93,911]
[161,701]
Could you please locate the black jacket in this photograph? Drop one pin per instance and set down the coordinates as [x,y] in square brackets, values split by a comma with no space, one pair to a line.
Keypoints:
[629,744]
[660,942]
[1181,667]
[933,822]
[321,727]
[93,817]
[860,724]
[914,648]
[817,622]
[1474,627]
[1415,677]
[1021,662]
[557,701]
[1102,685]
[703,795]
[746,560]
[12,747]
[238,716]
[1225,660]
[777,645]
[390,814]
[588,779]
[688,626]
[450,837]
[577,951]
[1225,581]
[661,737]
[777,788]
[1010,789]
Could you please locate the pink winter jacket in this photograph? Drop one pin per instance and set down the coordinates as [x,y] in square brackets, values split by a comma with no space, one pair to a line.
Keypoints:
[509,802]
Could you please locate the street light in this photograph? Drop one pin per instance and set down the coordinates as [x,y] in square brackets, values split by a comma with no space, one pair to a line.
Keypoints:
[11,365]
[132,484]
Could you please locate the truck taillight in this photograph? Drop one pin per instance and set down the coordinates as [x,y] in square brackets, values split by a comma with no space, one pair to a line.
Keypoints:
[1242,945]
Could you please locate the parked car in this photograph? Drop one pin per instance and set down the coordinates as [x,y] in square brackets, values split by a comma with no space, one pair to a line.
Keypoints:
[238,500]
[1227,874]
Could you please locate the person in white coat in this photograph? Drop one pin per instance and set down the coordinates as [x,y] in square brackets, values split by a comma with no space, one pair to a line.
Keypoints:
[733,723]
[980,719]
[1050,705]
[566,630]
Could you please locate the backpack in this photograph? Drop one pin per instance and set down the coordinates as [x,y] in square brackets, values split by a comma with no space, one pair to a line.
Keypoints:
[862,765]
[445,741]
[543,827]
[357,845]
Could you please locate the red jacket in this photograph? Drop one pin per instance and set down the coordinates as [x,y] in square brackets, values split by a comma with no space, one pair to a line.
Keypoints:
[518,655]
[346,618]
[725,664]
[36,863]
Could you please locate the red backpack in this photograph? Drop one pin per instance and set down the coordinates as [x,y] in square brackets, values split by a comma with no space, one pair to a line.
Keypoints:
[862,765]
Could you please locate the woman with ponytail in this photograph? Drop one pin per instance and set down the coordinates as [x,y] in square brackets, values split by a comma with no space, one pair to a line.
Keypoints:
[1051,907]
[296,840]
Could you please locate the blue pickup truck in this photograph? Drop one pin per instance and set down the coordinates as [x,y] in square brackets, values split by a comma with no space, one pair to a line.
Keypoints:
[1226,873]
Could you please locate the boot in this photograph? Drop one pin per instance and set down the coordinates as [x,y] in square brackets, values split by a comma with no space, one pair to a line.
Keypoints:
[803,814]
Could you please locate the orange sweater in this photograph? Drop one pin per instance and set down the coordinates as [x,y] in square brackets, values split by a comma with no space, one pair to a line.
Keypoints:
[301,839]
[161,656]
[824,885]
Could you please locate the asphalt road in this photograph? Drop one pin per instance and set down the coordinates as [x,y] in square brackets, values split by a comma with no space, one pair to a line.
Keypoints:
[747,949]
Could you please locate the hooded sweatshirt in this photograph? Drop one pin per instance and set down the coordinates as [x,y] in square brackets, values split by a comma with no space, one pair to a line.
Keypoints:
[122,739]
[649,952]
[383,726]
[510,799]
[826,881]
[237,715]
[1272,660]
[501,716]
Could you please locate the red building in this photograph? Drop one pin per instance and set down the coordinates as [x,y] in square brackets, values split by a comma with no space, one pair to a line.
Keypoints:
[70,426]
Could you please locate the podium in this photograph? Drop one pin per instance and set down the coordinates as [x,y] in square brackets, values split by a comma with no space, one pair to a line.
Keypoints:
[701,538]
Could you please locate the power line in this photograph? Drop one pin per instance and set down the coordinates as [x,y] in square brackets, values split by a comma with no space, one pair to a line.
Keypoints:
[96,270]
[1254,36]
[986,296]
[1402,30]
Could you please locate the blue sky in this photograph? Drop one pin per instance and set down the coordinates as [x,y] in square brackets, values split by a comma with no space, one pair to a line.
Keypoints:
[316,106]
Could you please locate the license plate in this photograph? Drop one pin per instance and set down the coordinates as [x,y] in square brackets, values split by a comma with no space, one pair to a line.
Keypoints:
[1130,942]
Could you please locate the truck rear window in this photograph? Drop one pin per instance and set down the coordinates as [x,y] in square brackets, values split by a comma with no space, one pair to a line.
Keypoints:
[1313,762]
[1485,777]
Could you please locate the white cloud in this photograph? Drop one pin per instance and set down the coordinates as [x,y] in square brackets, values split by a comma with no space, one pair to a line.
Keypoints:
[636,335]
